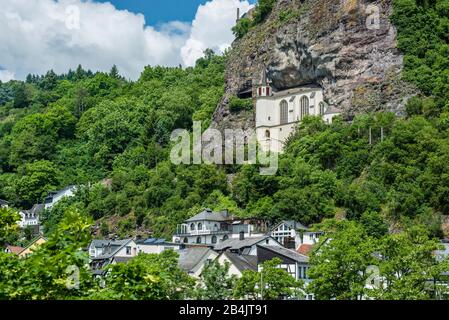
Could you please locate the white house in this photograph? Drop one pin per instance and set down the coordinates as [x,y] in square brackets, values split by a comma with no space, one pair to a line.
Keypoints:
[56,196]
[237,262]
[278,113]
[246,246]
[106,252]
[156,246]
[292,234]
[192,260]
[31,218]
[210,228]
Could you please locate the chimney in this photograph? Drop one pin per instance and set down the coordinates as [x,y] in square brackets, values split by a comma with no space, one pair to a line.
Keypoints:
[238,14]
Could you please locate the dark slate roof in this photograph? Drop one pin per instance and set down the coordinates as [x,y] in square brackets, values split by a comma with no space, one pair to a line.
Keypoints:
[36,209]
[209,215]
[287,253]
[190,257]
[237,244]
[116,245]
[295,225]
[123,259]
[242,262]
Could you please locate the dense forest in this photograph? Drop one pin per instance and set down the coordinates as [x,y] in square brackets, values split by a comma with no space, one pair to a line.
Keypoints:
[111,137]
[83,127]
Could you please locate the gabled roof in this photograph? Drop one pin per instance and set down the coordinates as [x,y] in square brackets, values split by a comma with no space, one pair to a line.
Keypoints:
[36,209]
[242,261]
[305,249]
[33,242]
[209,215]
[156,242]
[14,249]
[116,246]
[191,257]
[237,244]
[287,253]
[295,225]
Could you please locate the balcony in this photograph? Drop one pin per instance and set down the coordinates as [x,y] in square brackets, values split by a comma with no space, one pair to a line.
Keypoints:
[183,230]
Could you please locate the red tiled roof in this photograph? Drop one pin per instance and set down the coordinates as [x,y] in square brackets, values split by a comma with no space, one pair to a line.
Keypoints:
[305,249]
[14,249]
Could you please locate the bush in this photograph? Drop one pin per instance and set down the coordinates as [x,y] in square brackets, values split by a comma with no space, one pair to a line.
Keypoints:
[237,104]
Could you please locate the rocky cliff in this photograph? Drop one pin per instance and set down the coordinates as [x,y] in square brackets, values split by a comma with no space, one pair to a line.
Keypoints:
[348,47]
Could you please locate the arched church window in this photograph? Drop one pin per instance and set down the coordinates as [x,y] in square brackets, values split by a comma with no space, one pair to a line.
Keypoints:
[192,226]
[284,112]
[304,106]
[321,108]
[200,226]
[198,240]
[267,134]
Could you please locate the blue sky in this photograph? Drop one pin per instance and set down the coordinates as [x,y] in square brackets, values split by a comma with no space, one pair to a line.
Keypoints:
[157,12]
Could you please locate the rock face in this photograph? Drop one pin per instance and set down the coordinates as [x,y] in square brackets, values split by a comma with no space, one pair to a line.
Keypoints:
[348,47]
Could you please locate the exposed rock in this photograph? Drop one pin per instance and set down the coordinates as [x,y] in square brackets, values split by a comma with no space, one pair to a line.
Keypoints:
[332,43]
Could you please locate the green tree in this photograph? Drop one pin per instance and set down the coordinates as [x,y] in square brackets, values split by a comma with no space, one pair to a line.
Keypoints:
[147,277]
[339,264]
[271,283]
[9,228]
[215,282]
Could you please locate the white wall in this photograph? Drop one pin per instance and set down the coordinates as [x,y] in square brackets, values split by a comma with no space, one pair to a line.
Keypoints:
[268,116]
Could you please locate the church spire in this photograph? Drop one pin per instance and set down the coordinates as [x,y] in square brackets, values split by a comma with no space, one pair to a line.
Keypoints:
[264,77]
[264,89]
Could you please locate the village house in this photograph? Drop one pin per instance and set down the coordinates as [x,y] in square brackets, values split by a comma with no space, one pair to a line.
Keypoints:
[238,263]
[279,112]
[31,218]
[13,250]
[156,246]
[3,203]
[245,246]
[294,235]
[193,259]
[103,253]
[34,244]
[55,196]
[210,228]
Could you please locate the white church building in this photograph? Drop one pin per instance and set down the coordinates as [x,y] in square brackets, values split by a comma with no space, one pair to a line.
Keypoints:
[278,113]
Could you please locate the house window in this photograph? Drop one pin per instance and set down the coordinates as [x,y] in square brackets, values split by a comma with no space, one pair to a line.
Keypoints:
[200,226]
[321,108]
[242,235]
[267,134]
[284,112]
[128,251]
[214,239]
[198,240]
[304,106]
[192,226]
[186,240]
[225,238]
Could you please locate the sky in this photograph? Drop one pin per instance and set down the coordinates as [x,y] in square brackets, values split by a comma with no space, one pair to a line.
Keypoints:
[39,35]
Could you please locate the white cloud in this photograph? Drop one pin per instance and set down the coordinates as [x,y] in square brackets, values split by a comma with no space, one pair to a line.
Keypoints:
[212,28]
[6,75]
[39,35]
